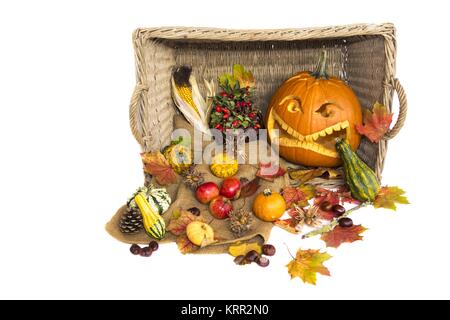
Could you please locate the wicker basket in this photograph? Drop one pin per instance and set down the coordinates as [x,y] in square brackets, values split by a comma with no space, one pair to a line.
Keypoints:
[362,55]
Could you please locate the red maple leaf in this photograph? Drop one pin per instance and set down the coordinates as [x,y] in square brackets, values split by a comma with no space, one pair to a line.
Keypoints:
[338,196]
[340,235]
[269,172]
[298,196]
[376,123]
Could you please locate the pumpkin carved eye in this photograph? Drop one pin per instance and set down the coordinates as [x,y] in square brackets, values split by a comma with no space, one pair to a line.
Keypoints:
[326,109]
[294,104]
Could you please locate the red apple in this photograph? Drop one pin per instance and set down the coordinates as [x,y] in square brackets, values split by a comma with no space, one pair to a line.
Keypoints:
[230,188]
[220,207]
[206,192]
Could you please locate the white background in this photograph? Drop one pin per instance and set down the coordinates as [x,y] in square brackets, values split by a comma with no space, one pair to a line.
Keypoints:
[68,159]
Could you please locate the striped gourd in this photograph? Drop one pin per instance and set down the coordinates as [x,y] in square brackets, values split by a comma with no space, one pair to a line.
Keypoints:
[154,224]
[360,179]
[158,198]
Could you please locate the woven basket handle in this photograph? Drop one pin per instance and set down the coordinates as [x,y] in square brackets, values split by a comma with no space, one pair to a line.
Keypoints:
[403,110]
[135,104]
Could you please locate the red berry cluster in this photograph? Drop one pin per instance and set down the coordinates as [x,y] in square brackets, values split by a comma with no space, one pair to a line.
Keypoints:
[234,109]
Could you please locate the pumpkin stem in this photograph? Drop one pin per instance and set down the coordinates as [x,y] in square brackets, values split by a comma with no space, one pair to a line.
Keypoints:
[322,65]
[267,192]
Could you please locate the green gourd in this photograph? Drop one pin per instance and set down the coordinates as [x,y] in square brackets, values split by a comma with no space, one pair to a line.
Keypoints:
[152,203]
[154,224]
[158,198]
[360,179]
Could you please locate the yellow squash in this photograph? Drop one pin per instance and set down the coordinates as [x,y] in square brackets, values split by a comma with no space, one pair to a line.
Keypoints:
[223,166]
[154,224]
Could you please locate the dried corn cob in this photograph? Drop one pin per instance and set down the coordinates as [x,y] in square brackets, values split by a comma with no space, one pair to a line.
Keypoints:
[188,99]
[185,93]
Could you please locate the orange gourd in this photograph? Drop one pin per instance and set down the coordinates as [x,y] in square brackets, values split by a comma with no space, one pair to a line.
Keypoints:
[311,110]
[269,206]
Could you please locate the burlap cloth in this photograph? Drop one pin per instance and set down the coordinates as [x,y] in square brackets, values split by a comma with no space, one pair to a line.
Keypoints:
[183,197]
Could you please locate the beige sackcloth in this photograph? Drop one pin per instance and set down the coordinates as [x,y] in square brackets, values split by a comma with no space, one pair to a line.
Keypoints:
[183,197]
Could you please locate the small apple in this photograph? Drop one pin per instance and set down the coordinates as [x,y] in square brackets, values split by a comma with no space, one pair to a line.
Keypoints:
[206,192]
[230,188]
[220,207]
[200,233]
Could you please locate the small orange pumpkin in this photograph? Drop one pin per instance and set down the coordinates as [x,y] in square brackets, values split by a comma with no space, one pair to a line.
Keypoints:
[269,206]
[311,110]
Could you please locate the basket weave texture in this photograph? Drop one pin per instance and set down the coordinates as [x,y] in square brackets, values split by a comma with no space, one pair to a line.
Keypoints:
[362,55]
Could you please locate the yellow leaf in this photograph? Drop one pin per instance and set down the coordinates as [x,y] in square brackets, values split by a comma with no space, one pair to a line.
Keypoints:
[239,249]
[388,196]
[244,77]
[307,264]
[303,176]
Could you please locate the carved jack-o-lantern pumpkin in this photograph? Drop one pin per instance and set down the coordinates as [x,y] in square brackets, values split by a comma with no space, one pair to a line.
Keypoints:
[311,110]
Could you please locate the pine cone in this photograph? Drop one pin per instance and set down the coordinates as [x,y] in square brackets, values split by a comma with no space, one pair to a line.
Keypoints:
[131,221]
[240,221]
[193,178]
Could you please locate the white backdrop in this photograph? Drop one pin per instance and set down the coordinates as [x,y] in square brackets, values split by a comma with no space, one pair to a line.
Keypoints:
[68,159]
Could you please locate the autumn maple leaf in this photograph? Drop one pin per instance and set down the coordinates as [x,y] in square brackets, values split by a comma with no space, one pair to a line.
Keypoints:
[340,235]
[180,220]
[184,245]
[388,196]
[298,196]
[306,265]
[376,123]
[156,165]
[268,172]
[290,224]
[339,196]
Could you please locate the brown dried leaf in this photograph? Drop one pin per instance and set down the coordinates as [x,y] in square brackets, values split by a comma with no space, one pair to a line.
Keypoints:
[186,246]
[156,164]
[303,176]
[179,221]
[249,188]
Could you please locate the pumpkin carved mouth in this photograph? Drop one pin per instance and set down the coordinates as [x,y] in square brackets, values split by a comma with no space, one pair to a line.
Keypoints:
[322,142]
